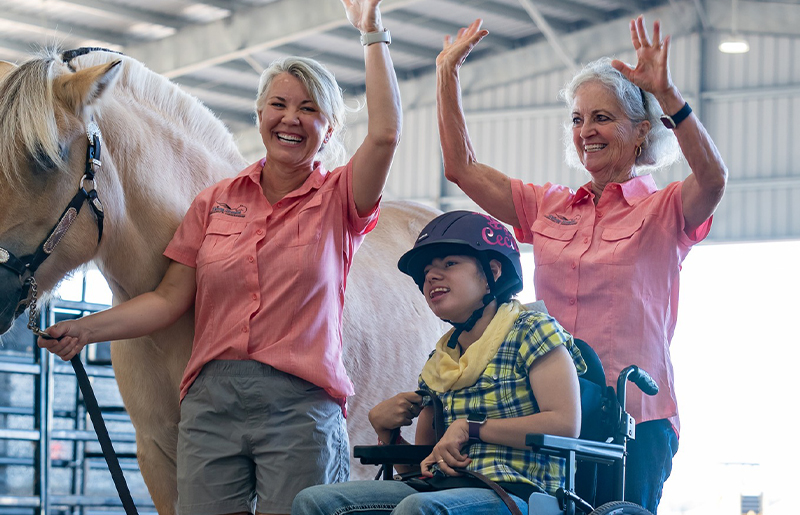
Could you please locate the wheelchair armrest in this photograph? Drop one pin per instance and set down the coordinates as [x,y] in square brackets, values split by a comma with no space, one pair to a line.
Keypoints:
[600,452]
[392,454]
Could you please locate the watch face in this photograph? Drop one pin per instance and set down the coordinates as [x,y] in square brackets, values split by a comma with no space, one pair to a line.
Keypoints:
[667,121]
[476,417]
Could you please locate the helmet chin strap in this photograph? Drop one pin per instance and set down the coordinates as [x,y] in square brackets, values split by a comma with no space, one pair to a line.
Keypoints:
[469,323]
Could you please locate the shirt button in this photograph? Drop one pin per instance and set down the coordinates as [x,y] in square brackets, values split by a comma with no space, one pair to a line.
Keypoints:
[599,215]
[259,232]
[244,329]
[255,297]
[495,377]
[250,259]
[571,301]
[447,408]
[573,266]
[586,240]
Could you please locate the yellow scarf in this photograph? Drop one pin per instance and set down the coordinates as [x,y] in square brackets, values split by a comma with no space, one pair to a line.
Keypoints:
[448,369]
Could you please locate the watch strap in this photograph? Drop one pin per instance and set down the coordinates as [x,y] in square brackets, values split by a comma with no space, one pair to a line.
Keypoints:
[475,428]
[672,121]
[381,36]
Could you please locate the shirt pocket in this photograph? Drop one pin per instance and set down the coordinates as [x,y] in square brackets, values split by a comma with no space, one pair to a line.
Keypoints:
[549,241]
[305,227]
[220,241]
[619,245]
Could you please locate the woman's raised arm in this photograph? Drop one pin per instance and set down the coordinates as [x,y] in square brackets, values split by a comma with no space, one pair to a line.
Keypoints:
[373,159]
[487,186]
[703,189]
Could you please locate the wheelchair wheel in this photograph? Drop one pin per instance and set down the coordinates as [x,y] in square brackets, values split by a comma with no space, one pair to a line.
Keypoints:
[620,508]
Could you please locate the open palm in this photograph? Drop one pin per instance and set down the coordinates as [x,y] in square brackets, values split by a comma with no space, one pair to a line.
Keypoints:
[364,14]
[652,68]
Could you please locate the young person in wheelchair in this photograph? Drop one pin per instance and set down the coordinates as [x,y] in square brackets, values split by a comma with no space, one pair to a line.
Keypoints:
[502,372]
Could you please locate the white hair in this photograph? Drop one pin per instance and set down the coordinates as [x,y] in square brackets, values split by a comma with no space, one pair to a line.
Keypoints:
[660,147]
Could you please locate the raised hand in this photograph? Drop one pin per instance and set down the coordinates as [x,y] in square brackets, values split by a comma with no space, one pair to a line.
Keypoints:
[652,68]
[455,51]
[364,14]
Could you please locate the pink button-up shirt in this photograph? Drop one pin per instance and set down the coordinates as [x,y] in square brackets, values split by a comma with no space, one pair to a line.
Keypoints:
[271,278]
[610,273]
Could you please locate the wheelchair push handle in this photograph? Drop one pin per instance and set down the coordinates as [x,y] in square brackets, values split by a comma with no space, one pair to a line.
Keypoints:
[638,377]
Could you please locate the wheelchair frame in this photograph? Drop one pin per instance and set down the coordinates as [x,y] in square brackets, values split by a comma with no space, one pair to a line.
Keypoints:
[573,450]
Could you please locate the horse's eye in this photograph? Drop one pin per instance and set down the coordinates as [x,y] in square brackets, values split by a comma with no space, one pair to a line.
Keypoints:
[41,161]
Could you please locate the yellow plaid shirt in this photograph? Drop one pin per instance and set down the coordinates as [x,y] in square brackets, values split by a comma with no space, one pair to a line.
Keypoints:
[504,391]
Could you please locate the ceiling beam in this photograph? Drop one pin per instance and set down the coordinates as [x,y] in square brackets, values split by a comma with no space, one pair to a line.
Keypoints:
[635,7]
[226,5]
[242,33]
[405,46]
[441,27]
[16,49]
[495,70]
[583,11]
[549,33]
[757,17]
[188,82]
[95,7]
[54,29]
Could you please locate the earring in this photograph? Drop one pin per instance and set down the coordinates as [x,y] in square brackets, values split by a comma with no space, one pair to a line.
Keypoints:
[638,151]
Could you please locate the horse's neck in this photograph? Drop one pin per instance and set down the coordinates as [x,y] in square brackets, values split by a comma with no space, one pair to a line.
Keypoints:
[147,194]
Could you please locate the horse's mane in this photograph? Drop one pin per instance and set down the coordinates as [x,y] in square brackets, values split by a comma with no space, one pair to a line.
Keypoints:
[27,115]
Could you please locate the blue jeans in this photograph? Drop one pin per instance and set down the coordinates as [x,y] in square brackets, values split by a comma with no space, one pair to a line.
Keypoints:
[649,462]
[648,466]
[397,498]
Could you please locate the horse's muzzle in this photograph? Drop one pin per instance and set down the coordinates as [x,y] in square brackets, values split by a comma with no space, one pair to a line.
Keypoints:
[12,299]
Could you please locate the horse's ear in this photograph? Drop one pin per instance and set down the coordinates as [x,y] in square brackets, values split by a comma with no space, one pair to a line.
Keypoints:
[82,88]
[5,68]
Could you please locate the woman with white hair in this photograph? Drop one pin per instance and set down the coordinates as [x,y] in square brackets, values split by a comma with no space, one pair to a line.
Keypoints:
[608,255]
[262,259]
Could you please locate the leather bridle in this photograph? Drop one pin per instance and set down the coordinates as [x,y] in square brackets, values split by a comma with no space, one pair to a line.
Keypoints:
[26,266]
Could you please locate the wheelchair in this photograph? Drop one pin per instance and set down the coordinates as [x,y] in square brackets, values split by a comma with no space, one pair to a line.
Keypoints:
[605,430]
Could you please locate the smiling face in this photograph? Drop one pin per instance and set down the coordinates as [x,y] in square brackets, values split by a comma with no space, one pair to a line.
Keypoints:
[604,137]
[454,287]
[291,124]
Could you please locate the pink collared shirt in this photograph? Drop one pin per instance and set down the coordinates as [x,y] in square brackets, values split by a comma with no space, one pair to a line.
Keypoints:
[271,278]
[610,273]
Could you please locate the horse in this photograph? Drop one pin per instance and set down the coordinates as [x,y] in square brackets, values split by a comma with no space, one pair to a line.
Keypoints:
[159,147]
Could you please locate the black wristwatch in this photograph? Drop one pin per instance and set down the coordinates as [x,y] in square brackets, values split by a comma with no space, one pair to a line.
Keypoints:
[475,421]
[670,122]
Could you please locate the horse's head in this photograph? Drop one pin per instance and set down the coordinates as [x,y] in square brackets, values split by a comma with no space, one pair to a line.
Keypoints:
[45,109]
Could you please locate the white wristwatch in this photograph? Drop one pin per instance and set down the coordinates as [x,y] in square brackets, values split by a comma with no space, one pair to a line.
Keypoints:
[381,36]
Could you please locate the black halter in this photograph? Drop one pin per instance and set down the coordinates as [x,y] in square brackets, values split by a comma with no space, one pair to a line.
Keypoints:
[26,266]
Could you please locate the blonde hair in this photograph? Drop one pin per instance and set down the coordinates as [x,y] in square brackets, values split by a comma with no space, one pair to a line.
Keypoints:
[325,92]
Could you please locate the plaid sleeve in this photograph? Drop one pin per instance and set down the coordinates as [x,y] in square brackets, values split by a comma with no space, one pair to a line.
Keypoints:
[538,334]
[422,385]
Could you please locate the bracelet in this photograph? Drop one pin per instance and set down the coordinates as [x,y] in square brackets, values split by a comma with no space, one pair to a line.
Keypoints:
[381,36]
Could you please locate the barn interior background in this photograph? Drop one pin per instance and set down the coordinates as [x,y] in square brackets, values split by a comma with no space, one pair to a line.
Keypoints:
[216,49]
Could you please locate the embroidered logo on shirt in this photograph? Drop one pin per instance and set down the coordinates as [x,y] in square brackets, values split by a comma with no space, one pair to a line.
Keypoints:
[225,209]
[563,220]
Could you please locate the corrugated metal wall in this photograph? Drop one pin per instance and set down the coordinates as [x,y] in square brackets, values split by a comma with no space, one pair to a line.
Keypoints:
[749,103]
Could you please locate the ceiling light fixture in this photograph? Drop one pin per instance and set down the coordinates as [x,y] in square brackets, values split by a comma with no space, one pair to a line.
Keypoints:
[734,44]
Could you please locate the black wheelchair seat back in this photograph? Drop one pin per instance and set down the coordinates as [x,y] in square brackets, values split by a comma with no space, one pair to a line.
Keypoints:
[598,402]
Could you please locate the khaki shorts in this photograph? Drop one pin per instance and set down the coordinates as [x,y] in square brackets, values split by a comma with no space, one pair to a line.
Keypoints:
[250,432]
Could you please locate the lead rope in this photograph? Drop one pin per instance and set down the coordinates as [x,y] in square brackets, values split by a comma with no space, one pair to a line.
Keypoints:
[92,407]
